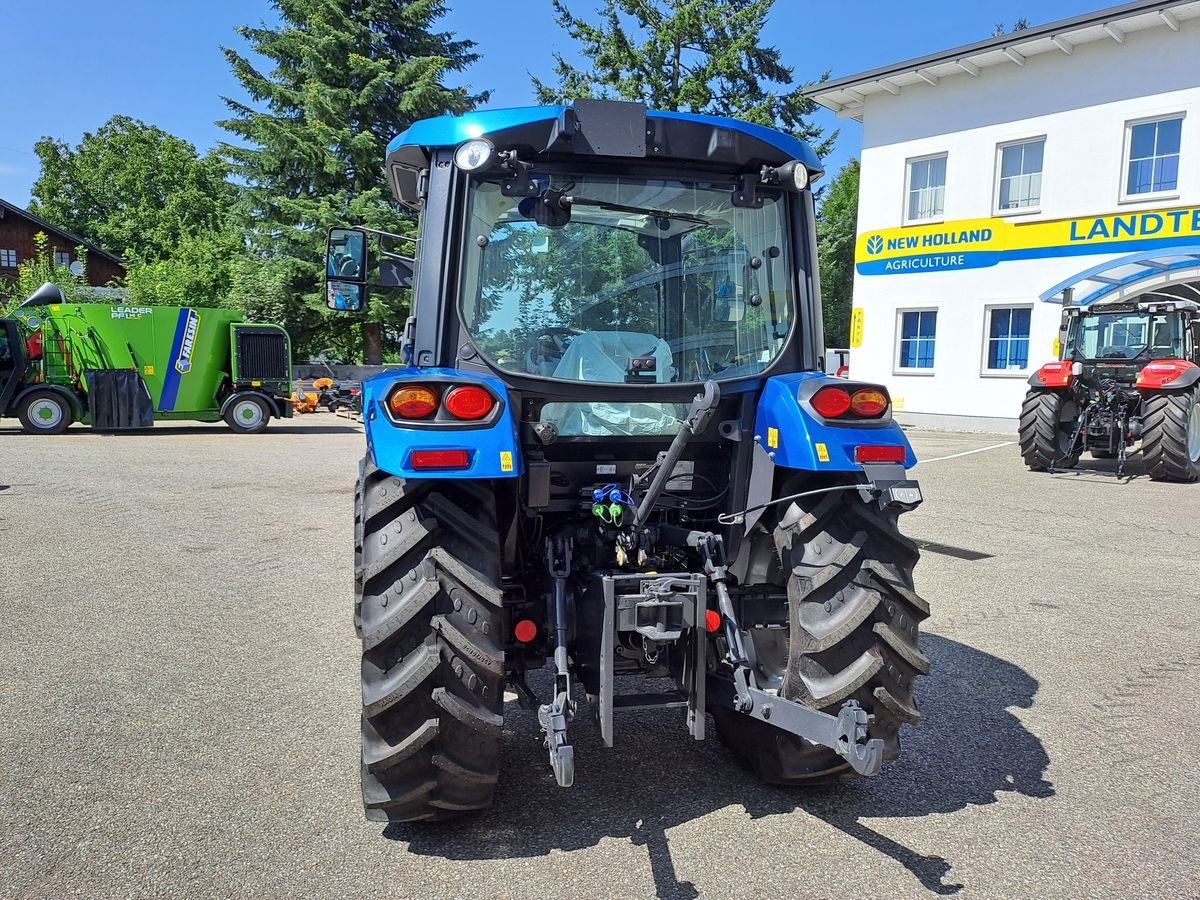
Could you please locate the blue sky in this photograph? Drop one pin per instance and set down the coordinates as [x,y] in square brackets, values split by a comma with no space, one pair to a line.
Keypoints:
[161,61]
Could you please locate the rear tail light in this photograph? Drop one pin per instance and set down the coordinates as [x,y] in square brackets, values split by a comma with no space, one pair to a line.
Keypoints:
[869,403]
[1055,374]
[1162,371]
[864,403]
[412,402]
[525,631]
[712,620]
[469,402]
[440,459]
[831,402]
[873,454]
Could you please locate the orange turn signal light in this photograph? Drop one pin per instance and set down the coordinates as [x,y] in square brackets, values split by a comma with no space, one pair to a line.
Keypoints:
[869,403]
[412,402]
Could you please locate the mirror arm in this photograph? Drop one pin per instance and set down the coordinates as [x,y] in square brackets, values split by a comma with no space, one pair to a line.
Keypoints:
[386,234]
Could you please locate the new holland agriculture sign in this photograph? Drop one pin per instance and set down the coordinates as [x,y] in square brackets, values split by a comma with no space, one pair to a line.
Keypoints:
[979,243]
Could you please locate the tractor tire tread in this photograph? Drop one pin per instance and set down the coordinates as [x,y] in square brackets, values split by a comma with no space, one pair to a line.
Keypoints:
[430,612]
[1164,435]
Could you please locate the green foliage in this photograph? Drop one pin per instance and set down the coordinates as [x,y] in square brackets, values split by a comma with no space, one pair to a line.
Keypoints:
[196,274]
[700,56]
[131,188]
[40,269]
[837,229]
[346,76]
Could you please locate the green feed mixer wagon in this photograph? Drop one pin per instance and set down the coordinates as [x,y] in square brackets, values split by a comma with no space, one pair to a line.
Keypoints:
[118,367]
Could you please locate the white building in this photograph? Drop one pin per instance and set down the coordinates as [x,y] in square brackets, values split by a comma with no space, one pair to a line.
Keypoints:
[998,174]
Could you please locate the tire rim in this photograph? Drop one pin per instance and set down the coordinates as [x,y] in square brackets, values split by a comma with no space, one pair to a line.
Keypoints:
[1193,434]
[248,414]
[45,414]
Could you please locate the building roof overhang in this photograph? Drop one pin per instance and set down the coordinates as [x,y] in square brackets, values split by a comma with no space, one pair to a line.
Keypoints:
[847,96]
[1129,276]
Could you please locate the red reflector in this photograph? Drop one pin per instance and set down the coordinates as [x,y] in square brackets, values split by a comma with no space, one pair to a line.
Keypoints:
[1162,371]
[1055,374]
[525,631]
[871,454]
[469,402]
[830,402]
[440,459]
[712,620]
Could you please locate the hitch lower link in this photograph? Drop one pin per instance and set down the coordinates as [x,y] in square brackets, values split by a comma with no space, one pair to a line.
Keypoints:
[846,733]
[553,717]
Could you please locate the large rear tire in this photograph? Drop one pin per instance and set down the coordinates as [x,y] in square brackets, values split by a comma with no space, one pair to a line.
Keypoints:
[1171,435]
[428,608]
[853,620]
[1047,426]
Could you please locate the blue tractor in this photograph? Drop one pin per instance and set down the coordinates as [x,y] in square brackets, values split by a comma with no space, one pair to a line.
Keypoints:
[614,452]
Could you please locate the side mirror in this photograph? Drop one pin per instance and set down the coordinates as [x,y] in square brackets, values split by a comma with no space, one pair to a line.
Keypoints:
[344,296]
[346,269]
[346,255]
[729,286]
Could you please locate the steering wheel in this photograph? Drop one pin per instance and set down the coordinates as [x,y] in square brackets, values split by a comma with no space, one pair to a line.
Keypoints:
[546,348]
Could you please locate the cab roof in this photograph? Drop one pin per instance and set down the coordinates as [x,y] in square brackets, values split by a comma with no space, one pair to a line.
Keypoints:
[667,135]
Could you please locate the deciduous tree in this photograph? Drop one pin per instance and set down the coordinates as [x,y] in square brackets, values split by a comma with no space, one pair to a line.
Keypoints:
[837,230]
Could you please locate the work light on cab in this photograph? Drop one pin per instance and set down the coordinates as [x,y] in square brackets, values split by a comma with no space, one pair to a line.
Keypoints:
[831,402]
[473,155]
[469,402]
[412,402]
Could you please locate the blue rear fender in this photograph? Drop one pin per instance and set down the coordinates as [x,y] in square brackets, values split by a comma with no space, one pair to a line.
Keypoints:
[797,438]
[492,448]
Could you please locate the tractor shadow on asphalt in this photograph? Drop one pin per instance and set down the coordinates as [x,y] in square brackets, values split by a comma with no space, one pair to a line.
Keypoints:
[969,748]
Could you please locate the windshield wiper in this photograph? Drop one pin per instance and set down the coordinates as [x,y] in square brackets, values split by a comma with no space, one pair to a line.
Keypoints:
[567,201]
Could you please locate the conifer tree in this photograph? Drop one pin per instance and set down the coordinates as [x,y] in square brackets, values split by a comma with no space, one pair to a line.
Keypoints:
[346,76]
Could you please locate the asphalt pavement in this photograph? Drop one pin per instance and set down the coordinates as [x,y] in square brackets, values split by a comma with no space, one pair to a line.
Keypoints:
[179,700]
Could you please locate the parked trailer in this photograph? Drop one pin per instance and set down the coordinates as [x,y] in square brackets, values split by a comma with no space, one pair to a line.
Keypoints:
[116,367]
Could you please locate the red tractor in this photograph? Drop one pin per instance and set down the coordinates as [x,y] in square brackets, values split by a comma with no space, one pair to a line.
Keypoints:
[1128,372]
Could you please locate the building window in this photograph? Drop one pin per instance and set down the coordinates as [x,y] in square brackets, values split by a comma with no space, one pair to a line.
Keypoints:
[918,332]
[1008,338]
[926,188]
[62,259]
[1019,181]
[8,259]
[1152,154]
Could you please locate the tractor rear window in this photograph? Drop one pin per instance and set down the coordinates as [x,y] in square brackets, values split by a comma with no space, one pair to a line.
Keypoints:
[626,280]
[1127,335]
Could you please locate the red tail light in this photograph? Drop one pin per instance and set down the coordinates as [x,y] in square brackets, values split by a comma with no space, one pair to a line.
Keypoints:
[469,402]
[712,620]
[872,454]
[440,459]
[525,631]
[870,403]
[1162,371]
[1055,374]
[831,402]
[412,401]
